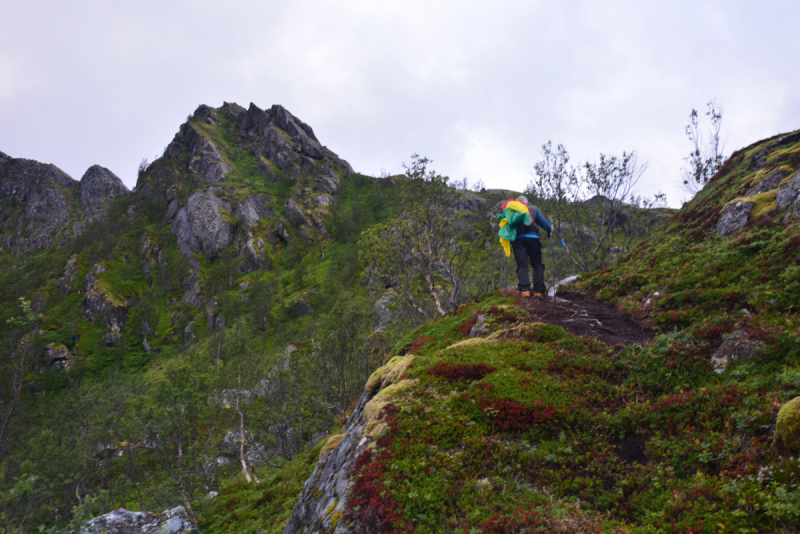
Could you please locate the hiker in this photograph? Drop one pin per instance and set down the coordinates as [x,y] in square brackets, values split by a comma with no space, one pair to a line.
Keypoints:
[519,229]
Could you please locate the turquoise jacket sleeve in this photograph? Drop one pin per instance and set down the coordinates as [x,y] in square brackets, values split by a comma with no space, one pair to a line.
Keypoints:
[541,221]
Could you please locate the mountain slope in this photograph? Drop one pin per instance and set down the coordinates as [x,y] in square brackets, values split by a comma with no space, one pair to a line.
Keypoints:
[221,284]
[487,421]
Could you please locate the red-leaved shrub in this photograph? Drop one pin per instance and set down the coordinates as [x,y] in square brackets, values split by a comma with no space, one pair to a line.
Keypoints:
[416,345]
[519,521]
[466,326]
[370,503]
[461,372]
[512,416]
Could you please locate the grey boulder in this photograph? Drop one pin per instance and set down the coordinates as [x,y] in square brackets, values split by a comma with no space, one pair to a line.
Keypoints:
[734,218]
[281,232]
[122,521]
[57,355]
[98,306]
[278,150]
[191,284]
[759,159]
[737,347]
[325,493]
[65,283]
[323,200]
[253,209]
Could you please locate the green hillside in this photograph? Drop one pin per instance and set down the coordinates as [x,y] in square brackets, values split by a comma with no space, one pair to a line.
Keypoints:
[222,285]
[222,339]
[529,428]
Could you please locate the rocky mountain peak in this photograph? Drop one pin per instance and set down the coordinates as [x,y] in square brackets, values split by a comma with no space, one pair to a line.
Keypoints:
[35,203]
[98,187]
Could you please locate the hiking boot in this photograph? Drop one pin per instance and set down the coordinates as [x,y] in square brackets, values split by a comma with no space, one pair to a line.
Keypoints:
[538,296]
[525,294]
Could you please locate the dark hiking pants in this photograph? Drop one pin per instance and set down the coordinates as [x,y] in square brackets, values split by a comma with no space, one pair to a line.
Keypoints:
[526,248]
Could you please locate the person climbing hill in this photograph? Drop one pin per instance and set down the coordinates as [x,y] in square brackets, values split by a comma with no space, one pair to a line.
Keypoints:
[519,229]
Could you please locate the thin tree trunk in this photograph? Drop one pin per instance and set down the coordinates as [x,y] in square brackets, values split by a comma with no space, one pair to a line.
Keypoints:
[242,435]
[184,494]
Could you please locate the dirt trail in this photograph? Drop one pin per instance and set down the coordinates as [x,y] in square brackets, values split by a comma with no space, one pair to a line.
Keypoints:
[587,317]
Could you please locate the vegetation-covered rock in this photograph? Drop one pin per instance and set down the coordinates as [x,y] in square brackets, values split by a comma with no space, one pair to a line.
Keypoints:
[787,427]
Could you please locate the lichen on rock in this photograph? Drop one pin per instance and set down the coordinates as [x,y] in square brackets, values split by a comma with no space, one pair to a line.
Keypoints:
[332,443]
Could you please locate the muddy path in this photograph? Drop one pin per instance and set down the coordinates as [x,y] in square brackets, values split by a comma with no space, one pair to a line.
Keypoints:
[587,317]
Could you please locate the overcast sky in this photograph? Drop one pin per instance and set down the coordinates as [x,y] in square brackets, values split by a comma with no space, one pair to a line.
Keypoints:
[477,87]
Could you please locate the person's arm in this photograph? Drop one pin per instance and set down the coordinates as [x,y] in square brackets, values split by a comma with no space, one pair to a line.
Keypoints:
[541,221]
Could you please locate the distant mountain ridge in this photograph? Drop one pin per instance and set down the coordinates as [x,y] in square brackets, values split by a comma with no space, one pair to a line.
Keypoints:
[42,206]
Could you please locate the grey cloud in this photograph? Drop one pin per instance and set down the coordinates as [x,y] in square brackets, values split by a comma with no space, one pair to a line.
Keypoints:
[477,87]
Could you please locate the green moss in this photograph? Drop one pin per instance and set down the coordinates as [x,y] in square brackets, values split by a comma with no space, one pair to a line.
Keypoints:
[332,443]
[787,427]
[781,152]
[227,216]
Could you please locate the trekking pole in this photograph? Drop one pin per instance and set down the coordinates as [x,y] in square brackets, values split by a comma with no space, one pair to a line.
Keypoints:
[553,256]
[505,272]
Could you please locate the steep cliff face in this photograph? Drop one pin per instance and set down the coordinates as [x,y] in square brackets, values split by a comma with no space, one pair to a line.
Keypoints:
[37,204]
[41,206]
[98,187]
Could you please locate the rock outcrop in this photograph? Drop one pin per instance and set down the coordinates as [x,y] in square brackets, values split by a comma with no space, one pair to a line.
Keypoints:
[98,187]
[286,141]
[206,159]
[122,521]
[768,183]
[294,214]
[759,159]
[35,204]
[734,217]
[207,219]
[322,505]
[57,356]
[205,224]
[38,205]
[738,347]
[252,209]
[102,307]
[252,252]
[326,182]
[65,283]
[788,198]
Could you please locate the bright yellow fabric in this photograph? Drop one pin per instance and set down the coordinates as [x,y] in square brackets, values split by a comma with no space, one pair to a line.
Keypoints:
[505,243]
[516,206]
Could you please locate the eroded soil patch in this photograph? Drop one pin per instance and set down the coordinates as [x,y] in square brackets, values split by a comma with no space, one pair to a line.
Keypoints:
[587,317]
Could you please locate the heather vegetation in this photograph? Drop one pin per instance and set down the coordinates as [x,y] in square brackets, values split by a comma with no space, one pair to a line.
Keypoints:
[532,429]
